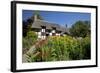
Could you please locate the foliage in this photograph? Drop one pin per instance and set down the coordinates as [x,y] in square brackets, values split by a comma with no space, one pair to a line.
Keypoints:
[38,15]
[29,40]
[58,48]
[28,23]
[86,48]
[27,26]
[63,48]
[80,29]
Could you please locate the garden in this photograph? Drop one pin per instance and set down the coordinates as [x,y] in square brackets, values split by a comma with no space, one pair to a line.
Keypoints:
[75,46]
[59,48]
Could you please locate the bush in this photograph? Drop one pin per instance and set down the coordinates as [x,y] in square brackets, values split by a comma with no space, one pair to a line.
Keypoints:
[80,29]
[32,37]
[64,48]
[29,40]
[86,47]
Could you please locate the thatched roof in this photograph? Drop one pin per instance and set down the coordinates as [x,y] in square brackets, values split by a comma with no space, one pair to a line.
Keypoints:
[37,24]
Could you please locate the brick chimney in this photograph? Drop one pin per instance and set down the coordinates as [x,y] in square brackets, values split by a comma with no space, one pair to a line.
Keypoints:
[35,17]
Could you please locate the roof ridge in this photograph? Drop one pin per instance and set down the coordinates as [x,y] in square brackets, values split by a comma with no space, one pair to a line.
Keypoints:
[48,22]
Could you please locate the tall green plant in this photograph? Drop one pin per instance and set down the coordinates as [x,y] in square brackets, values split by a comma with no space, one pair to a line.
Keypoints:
[29,40]
[64,48]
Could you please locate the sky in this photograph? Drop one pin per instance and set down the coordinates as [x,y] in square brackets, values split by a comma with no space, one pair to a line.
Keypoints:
[61,18]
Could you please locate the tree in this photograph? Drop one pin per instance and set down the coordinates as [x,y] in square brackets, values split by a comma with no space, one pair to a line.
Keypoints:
[27,26]
[89,27]
[37,13]
[79,29]
[28,23]
[24,28]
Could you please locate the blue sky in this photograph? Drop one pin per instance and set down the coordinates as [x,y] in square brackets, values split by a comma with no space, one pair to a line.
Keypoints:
[61,18]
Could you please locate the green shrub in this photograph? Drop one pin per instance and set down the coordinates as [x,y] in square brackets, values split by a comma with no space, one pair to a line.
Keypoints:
[32,37]
[64,48]
[86,47]
[29,40]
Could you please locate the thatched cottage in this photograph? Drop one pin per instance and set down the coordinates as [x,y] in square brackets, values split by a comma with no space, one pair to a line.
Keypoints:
[44,28]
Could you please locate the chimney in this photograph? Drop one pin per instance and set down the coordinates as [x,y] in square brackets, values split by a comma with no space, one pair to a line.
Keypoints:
[35,17]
